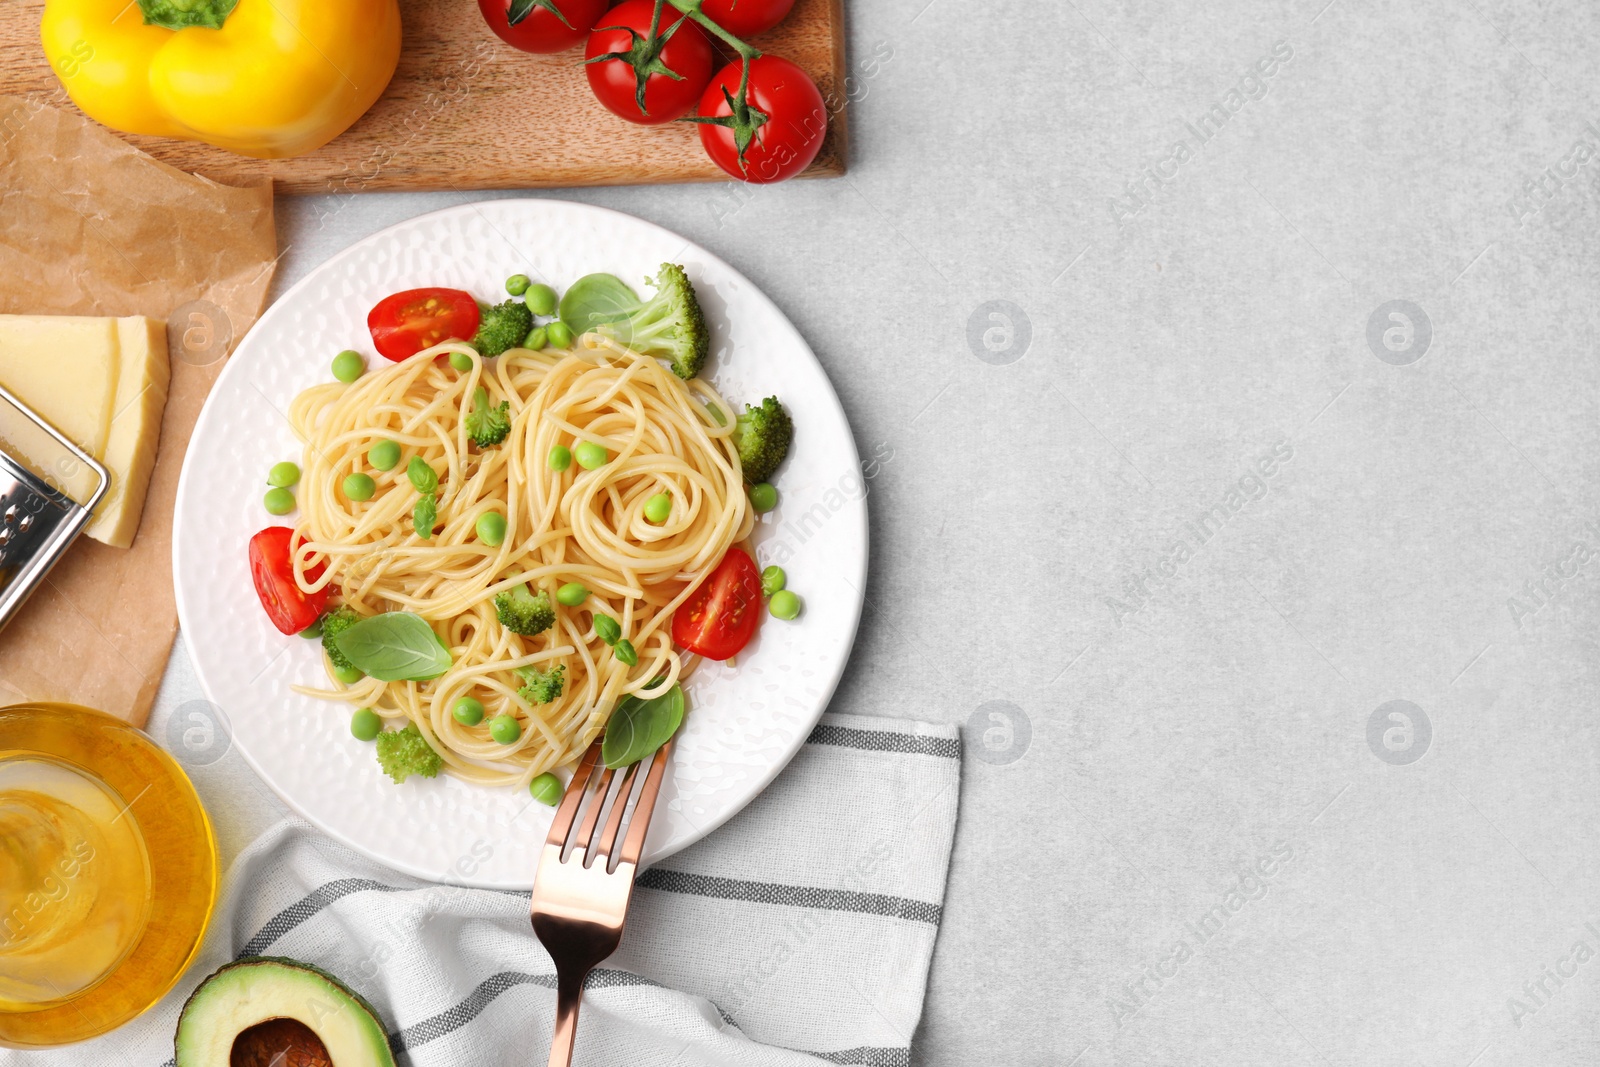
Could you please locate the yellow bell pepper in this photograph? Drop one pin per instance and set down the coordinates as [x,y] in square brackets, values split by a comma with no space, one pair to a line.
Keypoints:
[265,78]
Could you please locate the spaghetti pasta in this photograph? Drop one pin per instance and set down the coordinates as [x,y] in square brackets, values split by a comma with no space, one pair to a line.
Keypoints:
[662,434]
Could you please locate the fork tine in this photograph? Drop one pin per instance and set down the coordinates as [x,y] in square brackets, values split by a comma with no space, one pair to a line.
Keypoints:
[561,825]
[633,844]
[591,818]
[619,807]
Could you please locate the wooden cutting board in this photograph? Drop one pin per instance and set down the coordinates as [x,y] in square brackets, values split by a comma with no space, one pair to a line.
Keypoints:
[467,111]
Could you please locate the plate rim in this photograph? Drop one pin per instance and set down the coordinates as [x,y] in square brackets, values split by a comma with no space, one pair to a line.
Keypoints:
[857,579]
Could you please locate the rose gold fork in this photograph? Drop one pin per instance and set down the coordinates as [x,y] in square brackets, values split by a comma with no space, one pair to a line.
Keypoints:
[581,902]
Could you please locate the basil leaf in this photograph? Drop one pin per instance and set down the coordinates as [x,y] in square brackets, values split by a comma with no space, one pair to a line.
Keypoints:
[395,647]
[639,727]
[424,515]
[597,298]
[421,473]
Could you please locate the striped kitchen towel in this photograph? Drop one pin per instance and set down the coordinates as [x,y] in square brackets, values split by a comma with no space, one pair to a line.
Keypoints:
[799,933]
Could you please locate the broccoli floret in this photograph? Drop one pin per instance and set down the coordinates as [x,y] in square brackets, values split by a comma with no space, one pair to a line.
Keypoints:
[669,325]
[762,436]
[541,687]
[487,426]
[335,623]
[402,753]
[501,327]
[524,612]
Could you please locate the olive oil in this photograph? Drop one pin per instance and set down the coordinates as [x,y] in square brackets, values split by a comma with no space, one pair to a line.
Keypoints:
[108,873]
[74,882]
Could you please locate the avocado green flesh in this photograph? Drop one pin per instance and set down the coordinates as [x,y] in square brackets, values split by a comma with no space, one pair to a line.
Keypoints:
[255,989]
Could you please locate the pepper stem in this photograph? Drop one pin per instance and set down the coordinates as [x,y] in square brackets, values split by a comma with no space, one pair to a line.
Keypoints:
[182,14]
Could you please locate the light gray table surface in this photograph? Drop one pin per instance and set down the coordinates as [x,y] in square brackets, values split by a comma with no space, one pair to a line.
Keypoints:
[1176,508]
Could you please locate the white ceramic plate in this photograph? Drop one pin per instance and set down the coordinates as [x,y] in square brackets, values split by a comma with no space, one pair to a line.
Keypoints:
[745,722]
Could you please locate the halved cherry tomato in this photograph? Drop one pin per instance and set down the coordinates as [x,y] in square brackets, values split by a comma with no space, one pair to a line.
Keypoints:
[791,135]
[290,608]
[745,17]
[404,324]
[686,53]
[721,616]
[541,25]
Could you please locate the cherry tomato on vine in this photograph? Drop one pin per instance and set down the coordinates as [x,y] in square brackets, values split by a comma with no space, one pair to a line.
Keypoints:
[290,608]
[404,324]
[541,25]
[743,18]
[720,617]
[788,113]
[680,48]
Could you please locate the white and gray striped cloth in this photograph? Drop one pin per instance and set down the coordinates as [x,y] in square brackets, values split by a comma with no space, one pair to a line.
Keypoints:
[798,933]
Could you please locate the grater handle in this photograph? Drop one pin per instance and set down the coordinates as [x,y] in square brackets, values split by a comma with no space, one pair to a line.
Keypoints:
[79,454]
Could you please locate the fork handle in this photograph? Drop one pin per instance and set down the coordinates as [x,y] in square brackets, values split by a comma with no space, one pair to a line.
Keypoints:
[569,998]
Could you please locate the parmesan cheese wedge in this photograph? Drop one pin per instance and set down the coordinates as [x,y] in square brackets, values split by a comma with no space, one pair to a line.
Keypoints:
[102,383]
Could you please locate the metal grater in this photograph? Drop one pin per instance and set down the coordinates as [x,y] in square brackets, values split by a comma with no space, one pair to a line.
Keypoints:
[45,500]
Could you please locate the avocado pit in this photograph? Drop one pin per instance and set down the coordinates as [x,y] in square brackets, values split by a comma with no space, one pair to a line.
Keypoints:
[279,1043]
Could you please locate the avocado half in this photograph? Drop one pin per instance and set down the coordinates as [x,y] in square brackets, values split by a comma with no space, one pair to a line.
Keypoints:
[278,1011]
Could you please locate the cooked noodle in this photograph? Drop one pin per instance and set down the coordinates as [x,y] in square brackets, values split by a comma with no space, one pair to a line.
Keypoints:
[574,526]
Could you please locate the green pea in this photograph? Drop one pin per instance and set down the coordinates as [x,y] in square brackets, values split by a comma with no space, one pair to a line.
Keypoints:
[535,342]
[468,711]
[424,479]
[312,632]
[505,729]
[461,361]
[763,497]
[784,605]
[608,629]
[278,501]
[365,724]
[349,365]
[658,508]
[283,475]
[772,580]
[540,298]
[384,455]
[491,526]
[517,284]
[348,675]
[359,487]
[572,594]
[590,455]
[547,789]
[560,334]
[625,652]
[560,458]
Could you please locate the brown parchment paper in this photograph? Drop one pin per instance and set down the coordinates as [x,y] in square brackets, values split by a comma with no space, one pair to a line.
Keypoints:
[90,225]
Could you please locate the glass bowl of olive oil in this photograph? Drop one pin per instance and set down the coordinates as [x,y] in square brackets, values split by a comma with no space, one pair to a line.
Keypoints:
[108,873]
